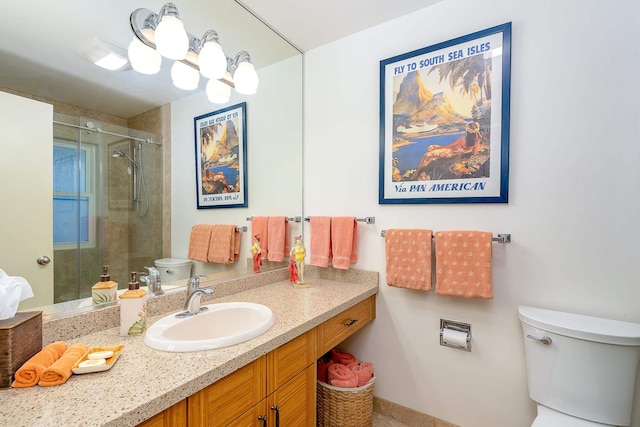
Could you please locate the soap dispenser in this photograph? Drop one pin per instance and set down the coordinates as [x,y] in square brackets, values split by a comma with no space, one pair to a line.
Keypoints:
[106,290]
[133,309]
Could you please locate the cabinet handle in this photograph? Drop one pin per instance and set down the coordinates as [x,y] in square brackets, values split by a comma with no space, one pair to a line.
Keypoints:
[350,322]
[277,409]
[263,418]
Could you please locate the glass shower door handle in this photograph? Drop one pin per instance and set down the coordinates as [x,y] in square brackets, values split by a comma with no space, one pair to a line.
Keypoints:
[43,260]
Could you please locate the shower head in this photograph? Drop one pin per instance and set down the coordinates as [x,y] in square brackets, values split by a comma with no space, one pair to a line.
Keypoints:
[118,153]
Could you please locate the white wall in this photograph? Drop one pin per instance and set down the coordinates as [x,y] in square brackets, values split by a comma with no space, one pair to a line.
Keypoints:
[274,154]
[573,211]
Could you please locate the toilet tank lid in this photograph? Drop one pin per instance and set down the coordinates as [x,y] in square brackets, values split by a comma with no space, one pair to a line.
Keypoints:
[172,262]
[582,327]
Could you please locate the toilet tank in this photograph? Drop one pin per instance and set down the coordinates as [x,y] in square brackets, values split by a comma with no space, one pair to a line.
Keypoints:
[589,367]
[172,269]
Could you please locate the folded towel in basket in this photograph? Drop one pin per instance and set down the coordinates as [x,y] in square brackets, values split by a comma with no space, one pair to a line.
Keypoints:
[29,373]
[364,371]
[342,357]
[341,376]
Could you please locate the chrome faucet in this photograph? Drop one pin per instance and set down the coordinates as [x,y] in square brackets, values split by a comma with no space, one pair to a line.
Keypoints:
[194,294]
[152,279]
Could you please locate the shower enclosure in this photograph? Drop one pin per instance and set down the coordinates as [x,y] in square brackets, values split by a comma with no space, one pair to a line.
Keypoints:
[107,203]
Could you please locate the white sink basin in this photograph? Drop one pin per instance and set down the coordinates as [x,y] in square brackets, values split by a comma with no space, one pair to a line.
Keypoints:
[224,324]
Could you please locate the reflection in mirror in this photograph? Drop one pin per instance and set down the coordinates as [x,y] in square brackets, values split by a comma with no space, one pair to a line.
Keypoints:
[143,235]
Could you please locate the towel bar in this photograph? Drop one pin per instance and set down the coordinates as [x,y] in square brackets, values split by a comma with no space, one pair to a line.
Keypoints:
[502,238]
[289,218]
[366,220]
[242,228]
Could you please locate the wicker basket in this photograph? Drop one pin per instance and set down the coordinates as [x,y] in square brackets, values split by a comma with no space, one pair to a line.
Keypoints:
[345,407]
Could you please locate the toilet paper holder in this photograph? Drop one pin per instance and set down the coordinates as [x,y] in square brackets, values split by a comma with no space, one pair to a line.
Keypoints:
[458,327]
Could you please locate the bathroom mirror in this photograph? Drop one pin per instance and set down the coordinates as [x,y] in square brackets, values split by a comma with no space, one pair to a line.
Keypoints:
[238,30]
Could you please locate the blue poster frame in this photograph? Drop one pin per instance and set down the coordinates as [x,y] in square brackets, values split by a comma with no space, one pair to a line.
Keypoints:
[473,167]
[221,158]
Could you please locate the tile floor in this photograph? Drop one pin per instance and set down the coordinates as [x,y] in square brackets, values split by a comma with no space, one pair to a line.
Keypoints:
[380,420]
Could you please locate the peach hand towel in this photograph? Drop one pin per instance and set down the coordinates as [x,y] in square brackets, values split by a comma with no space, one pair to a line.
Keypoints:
[344,241]
[463,264]
[323,369]
[29,373]
[408,255]
[320,242]
[340,376]
[278,237]
[199,242]
[60,371]
[259,225]
[222,247]
[364,371]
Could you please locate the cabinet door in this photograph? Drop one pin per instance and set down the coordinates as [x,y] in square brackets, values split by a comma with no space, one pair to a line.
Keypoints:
[288,360]
[340,327]
[254,417]
[230,397]
[175,416]
[294,403]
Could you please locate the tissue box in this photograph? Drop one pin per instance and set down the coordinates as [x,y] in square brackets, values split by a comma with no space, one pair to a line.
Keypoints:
[20,338]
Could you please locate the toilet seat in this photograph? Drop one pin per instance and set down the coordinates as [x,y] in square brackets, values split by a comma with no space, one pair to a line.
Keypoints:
[547,417]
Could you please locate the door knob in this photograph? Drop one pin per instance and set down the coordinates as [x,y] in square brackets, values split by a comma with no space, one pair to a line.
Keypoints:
[43,260]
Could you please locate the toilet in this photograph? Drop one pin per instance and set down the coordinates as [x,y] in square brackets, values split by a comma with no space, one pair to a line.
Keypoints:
[581,370]
[172,269]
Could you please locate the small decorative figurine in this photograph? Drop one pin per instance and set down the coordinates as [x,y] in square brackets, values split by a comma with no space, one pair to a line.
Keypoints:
[256,253]
[296,264]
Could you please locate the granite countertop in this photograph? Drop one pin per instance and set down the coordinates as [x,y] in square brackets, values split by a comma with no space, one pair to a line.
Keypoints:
[144,381]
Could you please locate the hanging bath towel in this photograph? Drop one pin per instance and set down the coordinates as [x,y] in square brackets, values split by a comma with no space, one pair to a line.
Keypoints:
[409,258]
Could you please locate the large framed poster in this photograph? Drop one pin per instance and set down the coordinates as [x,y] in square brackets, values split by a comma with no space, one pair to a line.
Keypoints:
[444,121]
[221,158]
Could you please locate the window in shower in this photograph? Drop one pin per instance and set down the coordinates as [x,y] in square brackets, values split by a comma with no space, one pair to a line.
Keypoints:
[73,195]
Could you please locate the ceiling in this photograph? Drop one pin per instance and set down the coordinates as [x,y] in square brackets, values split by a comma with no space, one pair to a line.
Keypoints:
[38,39]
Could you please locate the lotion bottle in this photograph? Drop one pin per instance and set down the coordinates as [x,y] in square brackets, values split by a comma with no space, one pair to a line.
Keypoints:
[106,290]
[133,309]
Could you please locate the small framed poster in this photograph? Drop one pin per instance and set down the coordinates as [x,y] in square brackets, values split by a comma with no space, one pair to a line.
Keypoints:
[221,158]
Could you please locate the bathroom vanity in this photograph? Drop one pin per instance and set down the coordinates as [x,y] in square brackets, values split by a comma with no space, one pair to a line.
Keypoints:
[268,378]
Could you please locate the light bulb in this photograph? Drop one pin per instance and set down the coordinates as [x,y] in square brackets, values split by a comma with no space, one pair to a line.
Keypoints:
[184,77]
[143,58]
[172,40]
[212,60]
[246,79]
[218,92]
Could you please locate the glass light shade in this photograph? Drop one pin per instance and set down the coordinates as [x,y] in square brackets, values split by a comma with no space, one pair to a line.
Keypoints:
[143,58]
[172,40]
[246,79]
[218,92]
[184,77]
[212,60]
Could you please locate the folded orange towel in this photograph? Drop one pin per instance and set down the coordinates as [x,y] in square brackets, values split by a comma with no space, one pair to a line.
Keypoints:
[29,373]
[278,236]
[199,242]
[259,225]
[342,357]
[344,241]
[223,247]
[463,264]
[364,371]
[341,376]
[408,258]
[60,371]
[320,242]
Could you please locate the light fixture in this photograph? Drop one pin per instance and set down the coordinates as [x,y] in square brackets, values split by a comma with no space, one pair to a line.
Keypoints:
[197,56]
[171,39]
[103,54]
[143,58]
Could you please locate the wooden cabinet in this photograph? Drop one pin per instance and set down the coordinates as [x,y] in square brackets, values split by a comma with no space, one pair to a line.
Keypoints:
[175,416]
[278,388]
[340,327]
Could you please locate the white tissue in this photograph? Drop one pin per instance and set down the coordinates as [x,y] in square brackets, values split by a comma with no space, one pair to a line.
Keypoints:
[455,338]
[12,290]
